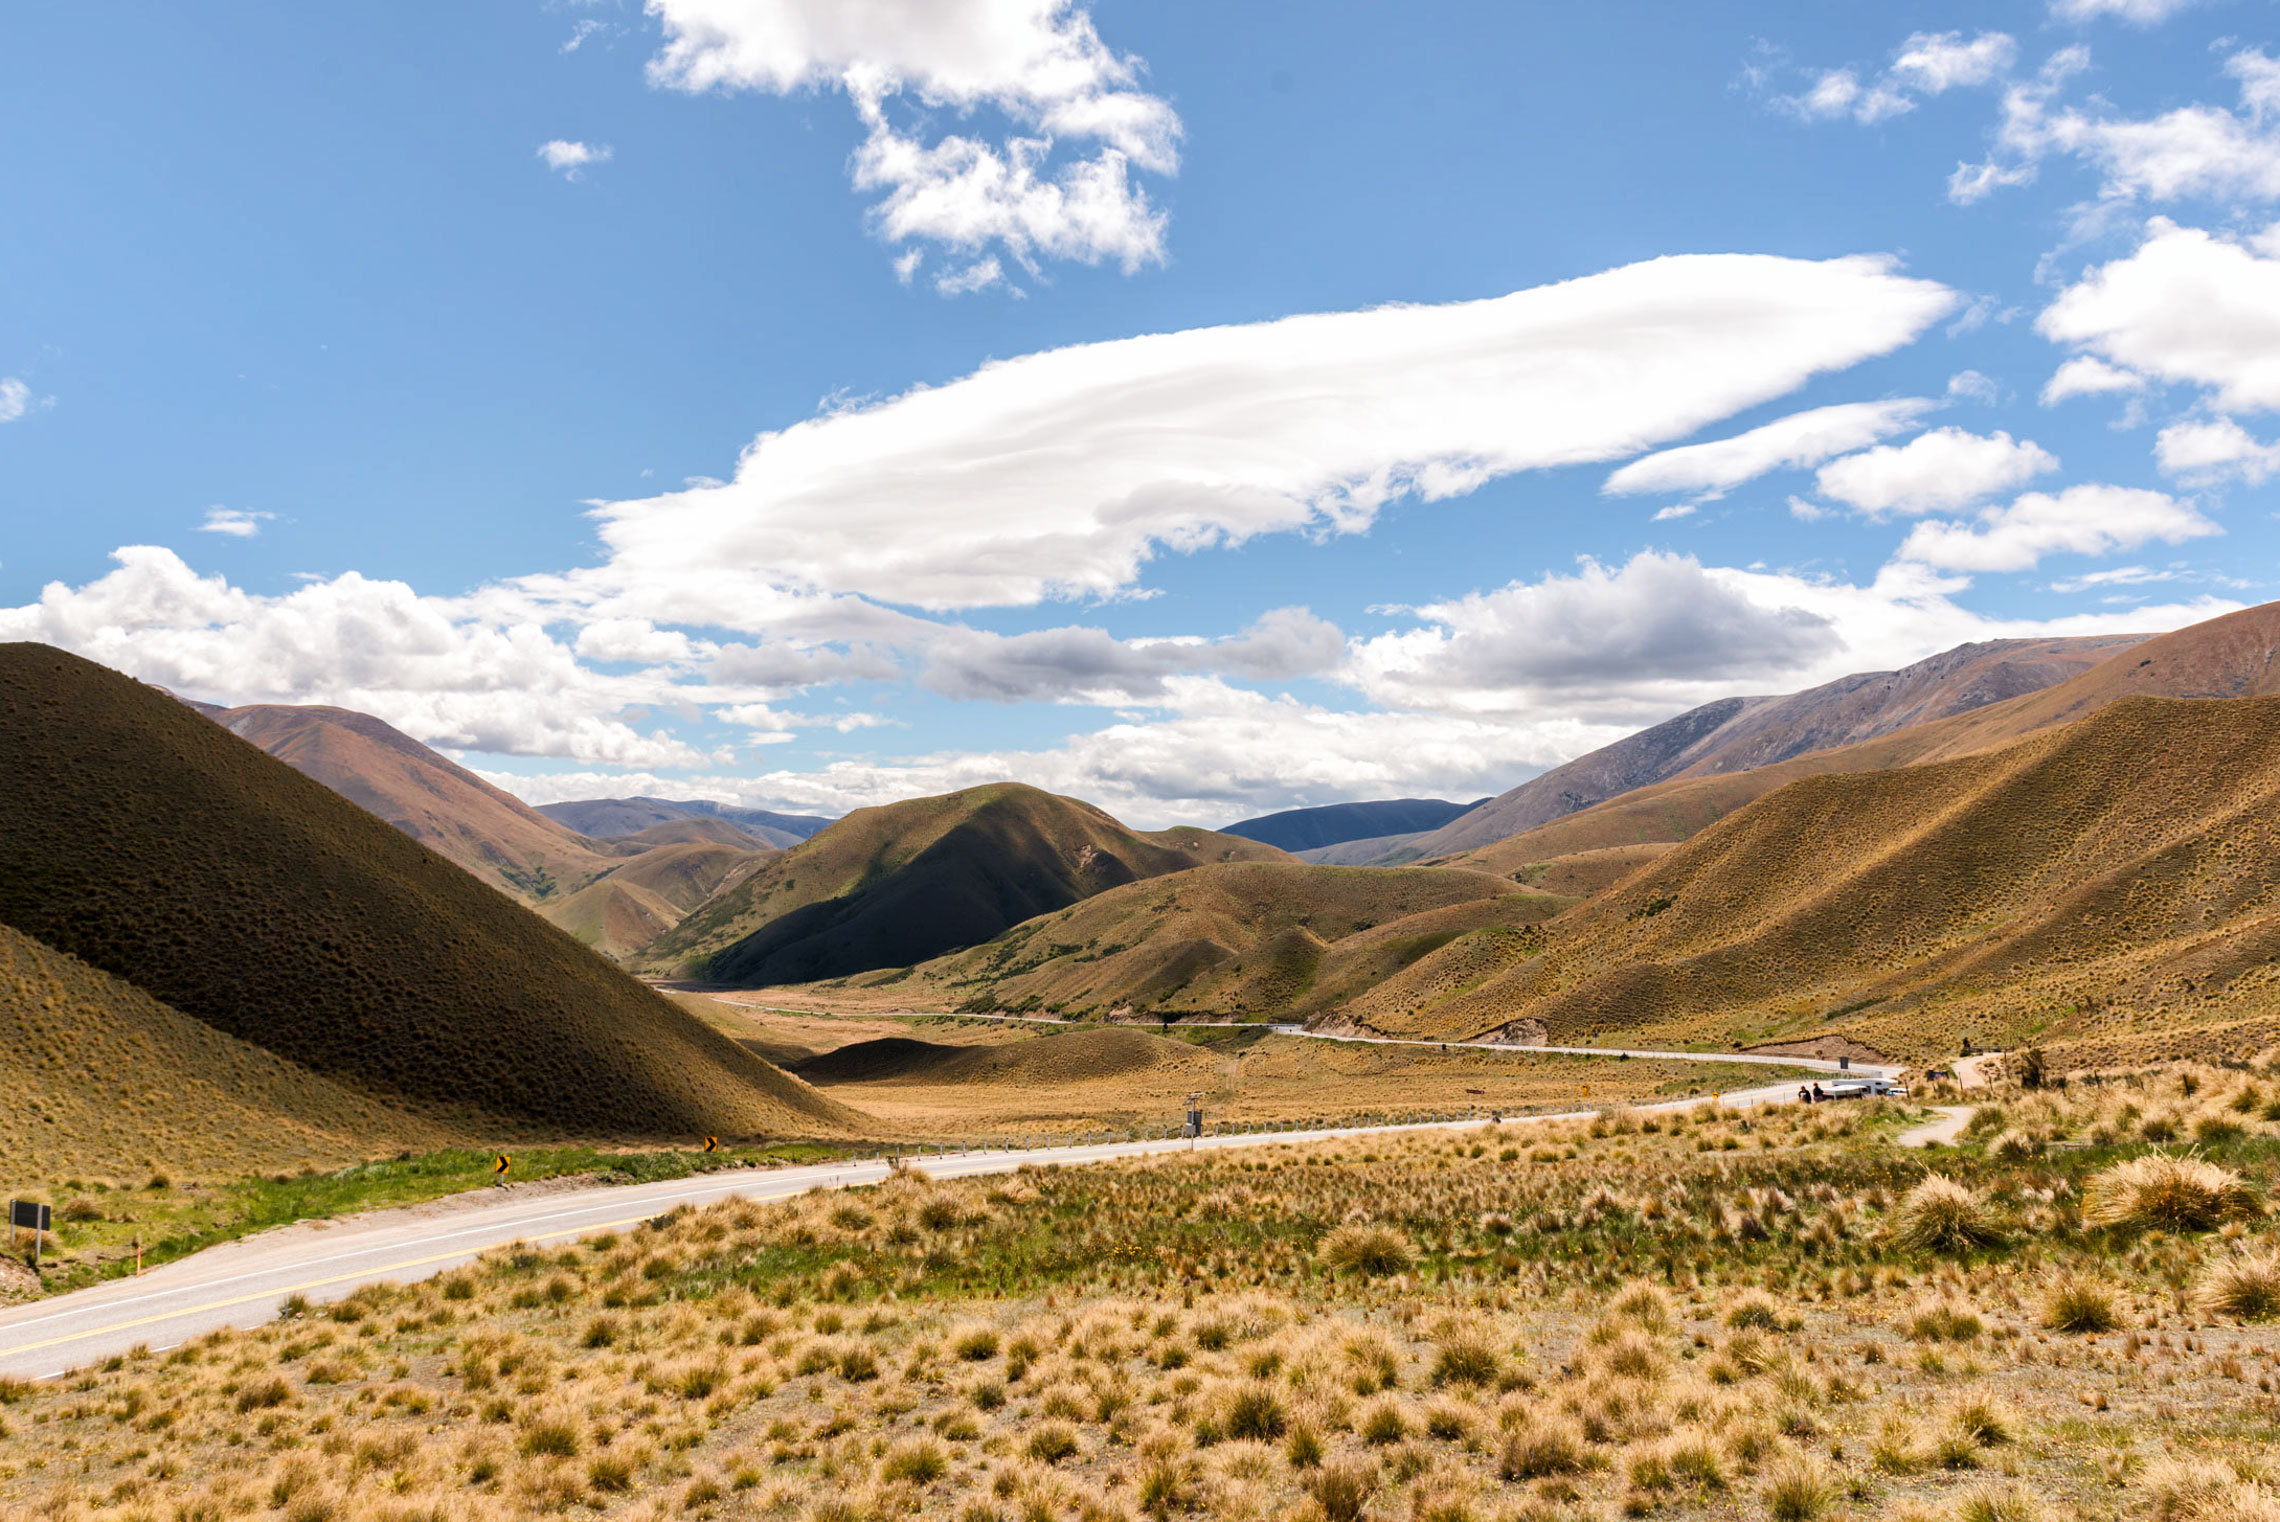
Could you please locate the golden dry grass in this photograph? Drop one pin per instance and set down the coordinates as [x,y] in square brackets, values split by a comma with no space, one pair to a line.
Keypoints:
[1230,1336]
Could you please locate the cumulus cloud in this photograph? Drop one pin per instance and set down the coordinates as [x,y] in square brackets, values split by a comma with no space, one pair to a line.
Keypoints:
[237,522]
[2215,449]
[2081,520]
[1928,63]
[1795,442]
[2088,375]
[435,668]
[16,399]
[1938,471]
[1040,64]
[2187,305]
[2194,151]
[1063,472]
[570,159]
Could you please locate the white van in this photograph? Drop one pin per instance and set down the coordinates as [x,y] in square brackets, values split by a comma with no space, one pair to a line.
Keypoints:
[1862,1088]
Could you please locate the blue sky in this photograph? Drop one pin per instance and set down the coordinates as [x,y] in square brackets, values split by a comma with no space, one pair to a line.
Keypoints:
[1199,409]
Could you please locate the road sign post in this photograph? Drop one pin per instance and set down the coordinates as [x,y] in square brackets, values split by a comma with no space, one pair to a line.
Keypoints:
[499,1167]
[712,1144]
[23,1215]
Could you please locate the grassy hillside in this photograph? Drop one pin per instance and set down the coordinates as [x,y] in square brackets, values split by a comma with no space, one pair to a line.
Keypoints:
[1741,734]
[2111,880]
[156,846]
[2235,656]
[890,886]
[1236,940]
[440,804]
[625,911]
[103,1081]
[1333,824]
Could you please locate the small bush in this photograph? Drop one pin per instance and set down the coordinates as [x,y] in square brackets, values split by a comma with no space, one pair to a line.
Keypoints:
[976,1346]
[2244,1288]
[1941,1215]
[610,1474]
[1052,1442]
[2078,1303]
[1798,1489]
[262,1395]
[921,1462]
[1367,1250]
[1255,1412]
[1343,1488]
[1465,1357]
[1942,1321]
[1755,1309]
[2167,1192]
[1382,1424]
[1980,1418]
[1540,1446]
[1998,1503]
[551,1437]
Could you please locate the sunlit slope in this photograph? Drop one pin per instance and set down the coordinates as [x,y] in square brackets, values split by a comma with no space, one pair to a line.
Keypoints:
[2235,656]
[890,886]
[2116,879]
[640,900]
[1740,734]
[162,849]
[437,802]
[1236,940]
[106,1082]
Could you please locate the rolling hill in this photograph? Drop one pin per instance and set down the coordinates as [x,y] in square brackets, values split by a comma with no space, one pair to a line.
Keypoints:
[2109,884]
[622,913]
[160,849]
[437,802]
[894,885]
[105,1081]
[1232,940]
[2227,657]
[1332,824]
[610,818]
[1742,734]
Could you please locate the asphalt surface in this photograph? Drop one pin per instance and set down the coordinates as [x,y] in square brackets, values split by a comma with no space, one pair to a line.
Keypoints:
[246,1282]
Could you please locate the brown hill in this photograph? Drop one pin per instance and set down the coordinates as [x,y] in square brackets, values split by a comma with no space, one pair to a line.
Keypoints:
[159,848]
[2231,656]
[1235,940]
[894,885]
[2110,880]
[610,818]
[1063,1057]
[440,804]
[1738,734]
[106,1082]
[621,913]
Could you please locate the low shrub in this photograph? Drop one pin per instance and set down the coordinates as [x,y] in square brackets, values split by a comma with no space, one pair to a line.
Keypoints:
[1798,1488]
[1368,1250]
[2167,1192]
[1944,1216]
[2075,1302]
[2243,1287]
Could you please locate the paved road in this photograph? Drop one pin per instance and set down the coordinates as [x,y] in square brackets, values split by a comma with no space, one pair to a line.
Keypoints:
[244,1283]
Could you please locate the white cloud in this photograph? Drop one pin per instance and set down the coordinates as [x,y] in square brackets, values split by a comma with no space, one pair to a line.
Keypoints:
[1971,386]
[1791,443]
[2214,450]
[1063,472]
[1934,62]
[978,276]
[436,668]
[2119,576]
[16,399]
[570,159]
[1674,511]
[237,522]
[2137,12]
[1040,63]
[2186,306]
[2088,375]
[2081,520]
[2194,151]
[1928,63]
[1081,665]
[1938,471]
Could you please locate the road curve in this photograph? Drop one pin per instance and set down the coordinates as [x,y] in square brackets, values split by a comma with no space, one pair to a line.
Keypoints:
[244,1283]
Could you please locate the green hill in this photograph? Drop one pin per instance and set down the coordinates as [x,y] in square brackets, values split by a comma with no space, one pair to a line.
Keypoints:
[890,886]
[162,849]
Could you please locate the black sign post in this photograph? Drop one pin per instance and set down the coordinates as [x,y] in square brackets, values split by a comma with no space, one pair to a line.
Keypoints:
[24,1215]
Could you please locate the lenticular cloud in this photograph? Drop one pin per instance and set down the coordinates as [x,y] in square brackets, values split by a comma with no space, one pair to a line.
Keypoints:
[1061,473]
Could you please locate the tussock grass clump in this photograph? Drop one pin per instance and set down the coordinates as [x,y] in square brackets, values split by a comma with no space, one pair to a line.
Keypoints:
[1372,1250]
[2076,1302]
[1943,1216]
[2001,1502]
[2244,1287]
[2191,1490]
[1343,1488]
[1942,1320]
[1798,1488]
[1542,1444]
[1755,1309]
[2168,1192]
